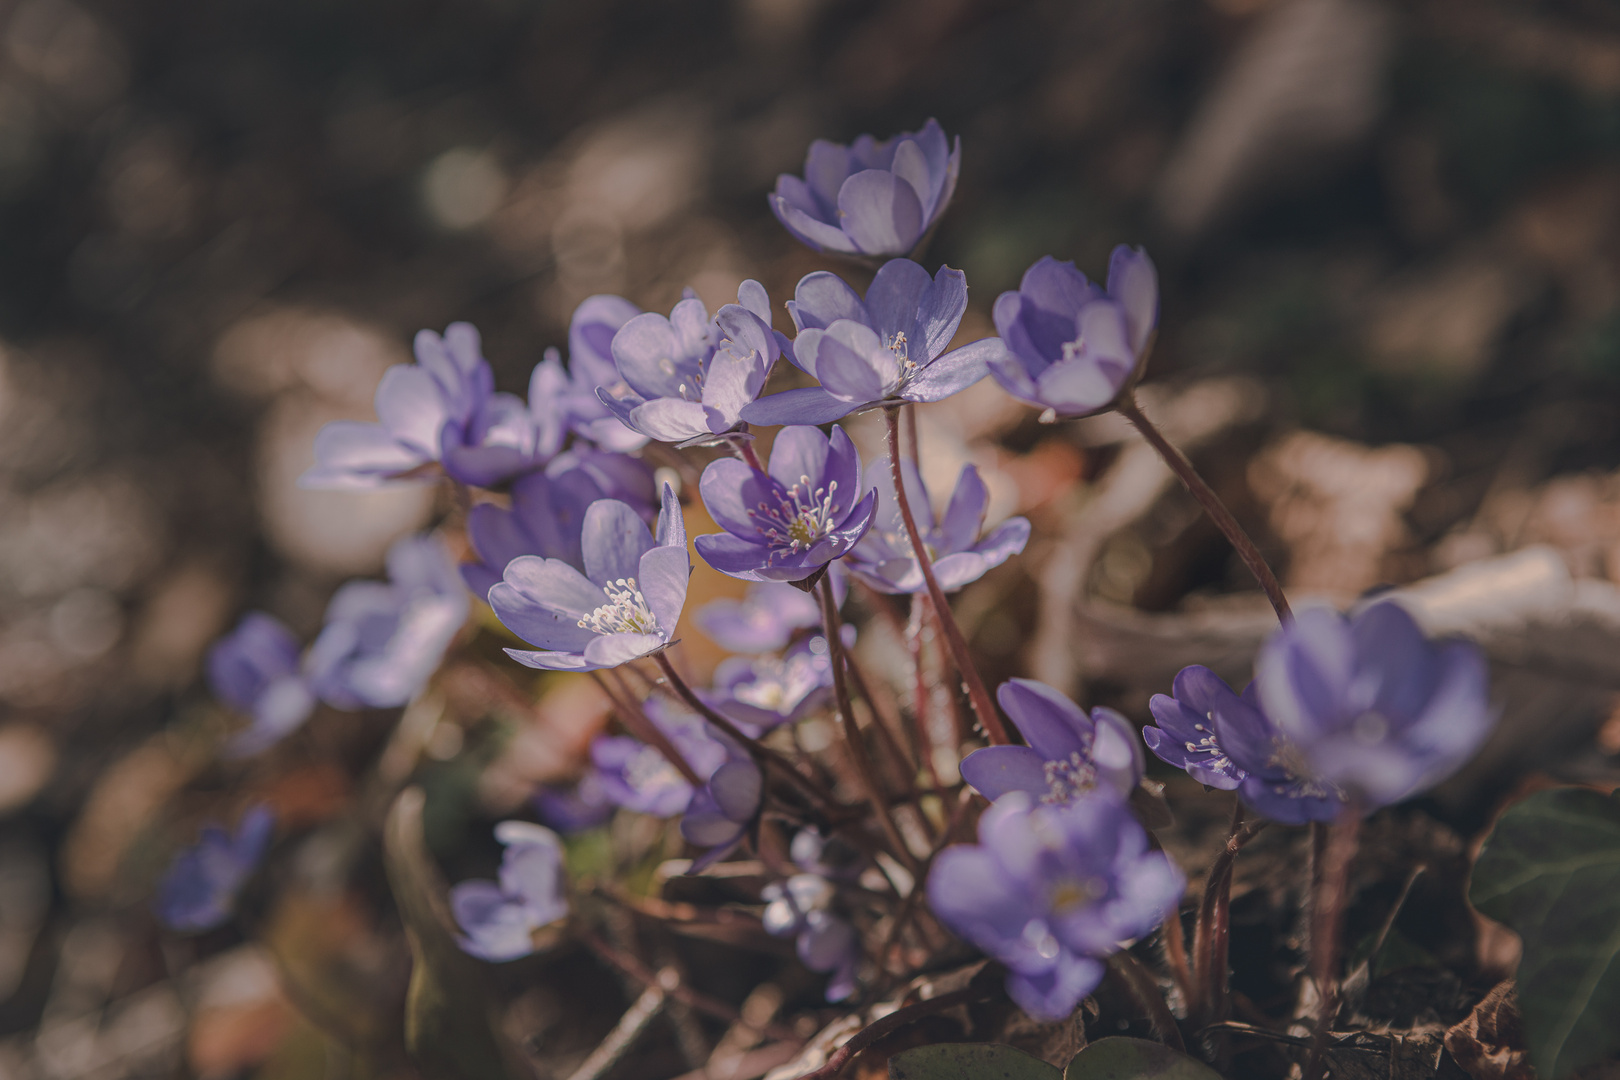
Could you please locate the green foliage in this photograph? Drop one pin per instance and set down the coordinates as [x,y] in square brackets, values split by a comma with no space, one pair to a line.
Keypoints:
[1119,1058]
[969,1061]
[1550,870]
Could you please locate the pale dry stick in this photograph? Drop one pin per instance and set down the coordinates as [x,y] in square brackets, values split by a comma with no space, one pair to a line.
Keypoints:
[1211,503]
[642,727]
[852,733]
[983,707]
[630,1027]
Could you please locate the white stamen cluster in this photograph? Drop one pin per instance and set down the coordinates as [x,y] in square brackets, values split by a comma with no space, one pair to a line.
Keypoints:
[902,355]
[1304,782]
[1207,743]
[802,517]
[1067,778]
[1072,349]
[648,769]
[626,611]
[690,388]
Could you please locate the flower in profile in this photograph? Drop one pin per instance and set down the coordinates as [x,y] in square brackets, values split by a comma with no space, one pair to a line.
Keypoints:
[870,198]
[1186,736]
[1051,889]
[721,810]
[256,669]
[760,693]
[1070,754]
[1368,704]
[688,377]
[499,918]
[887,349]
[444,409]
[885,559]
[547,515]
[801,908]
[766,618]
[382,641]
[788,522]
[199,892]
[625,604]
[638,777]
[1071,347]
[590,367]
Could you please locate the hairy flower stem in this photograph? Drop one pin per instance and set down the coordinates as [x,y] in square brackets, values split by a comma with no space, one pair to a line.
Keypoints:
[745,450]
[1328,916]
[904,765]
[763,755]
[893,1022]
[1210,1003]
[1247,550]
[641,727]
[1143,990]
[911,431]
[921,690]
[978,696]
[852,732]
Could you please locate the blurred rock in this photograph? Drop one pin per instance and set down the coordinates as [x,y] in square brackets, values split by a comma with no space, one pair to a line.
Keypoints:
[336,357]
[463,188]
[27,761]
[1443,320]
[184,613]
[122,804]
[240,1014]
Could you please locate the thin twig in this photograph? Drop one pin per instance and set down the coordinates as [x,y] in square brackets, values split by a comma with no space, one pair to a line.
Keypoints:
[642,727]
[1145,992]
[1247,549]
[630,1027]
[896,1020]
[983,707]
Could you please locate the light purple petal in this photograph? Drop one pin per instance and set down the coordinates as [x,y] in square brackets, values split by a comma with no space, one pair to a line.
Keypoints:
[993,771]
[410,404]
[1050,722]
[823,298]
[895,298]
[1133,281]
[804,405]
[613,540]
[668,419]
[955,371]
[663,576]
[1117,751]
[350,455]
[542,601]
[817,234]
[880,212]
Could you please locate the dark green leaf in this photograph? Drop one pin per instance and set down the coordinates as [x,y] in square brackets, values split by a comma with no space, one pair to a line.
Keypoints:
[448,1015]
[969,1061]
[1550,870]
[1119,1058]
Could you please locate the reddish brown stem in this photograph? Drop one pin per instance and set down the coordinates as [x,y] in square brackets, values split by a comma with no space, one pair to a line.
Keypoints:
[905,765]
[1247,549]
[923,693]
[978,696]
[1326,921]
[745,450]
[643,728]
[893,1022]
[1145,992]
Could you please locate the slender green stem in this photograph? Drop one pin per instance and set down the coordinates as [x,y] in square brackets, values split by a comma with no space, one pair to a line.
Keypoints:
[1247,549]
[978,696]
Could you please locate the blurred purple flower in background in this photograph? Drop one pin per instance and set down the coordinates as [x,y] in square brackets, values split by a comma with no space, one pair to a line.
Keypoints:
[590,366]
[500,917]
[788,522]
[638,777]
[800,907]
[625,604]
[444,409]
[767,617]
[1069,755]
[1049,890]
[722,809]
[885,348]
[257,670]
[764,692]
[383,640]
[199,891]
[870,198]
[1372,706]
[688,377]
[885,559]
[572,809]
[1072,347]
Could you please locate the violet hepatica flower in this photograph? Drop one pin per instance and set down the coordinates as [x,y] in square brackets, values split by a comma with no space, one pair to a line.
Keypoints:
[1072,348]
[766,618]
[590,367]
[688,377]
[547,515]
[786,523]
[760,693]
[625,604]
[638,777]
[801,908]
[1050,890]
[887,349]
[573,809]
[383,640]
[500,917]
[870,198]
[884,558]
[257,670]
[199,892]
[441,409]
[721,810]
[1069,755]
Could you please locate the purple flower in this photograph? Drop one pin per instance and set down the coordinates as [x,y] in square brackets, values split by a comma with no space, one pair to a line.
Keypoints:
[1048,890]
[1071,347]
[383,640]
[764,692]
[574,809]
[1069,755]
[256,670]
[202,884]
[788,522]
[500,917]
[590,366]
[441,409]
[766,618]
[1369,705]
[1186,735]
[884,558]
[883,350]
[688,377]
[870,198]
[801,908]
[723,808]
[547,515]
[638,777]
[624,605]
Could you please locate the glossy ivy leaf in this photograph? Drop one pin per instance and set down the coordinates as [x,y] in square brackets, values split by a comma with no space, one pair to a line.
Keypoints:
[1119,1058]
[969,1061]
[1550,870]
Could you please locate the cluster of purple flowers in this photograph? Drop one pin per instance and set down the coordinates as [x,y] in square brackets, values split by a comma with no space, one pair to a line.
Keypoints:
[499,918]
[199,892]
[805,908]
